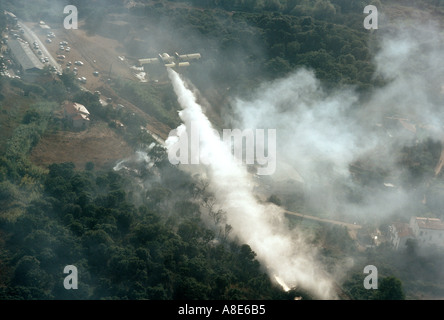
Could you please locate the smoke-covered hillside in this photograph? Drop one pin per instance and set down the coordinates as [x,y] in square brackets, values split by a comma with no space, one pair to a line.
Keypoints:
[346,128]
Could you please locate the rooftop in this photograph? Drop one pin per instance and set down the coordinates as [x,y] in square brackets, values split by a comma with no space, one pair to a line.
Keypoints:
[403,229]
[429,223]
[24,55]
[74,108]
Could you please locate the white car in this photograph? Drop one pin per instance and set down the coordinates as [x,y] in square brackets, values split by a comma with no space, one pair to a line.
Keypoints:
[78,63]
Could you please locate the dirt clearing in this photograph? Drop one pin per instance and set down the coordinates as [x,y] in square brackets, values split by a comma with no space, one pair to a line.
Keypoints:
[98,144]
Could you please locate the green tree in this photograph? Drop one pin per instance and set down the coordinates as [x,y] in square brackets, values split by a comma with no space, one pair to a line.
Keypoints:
[390,288]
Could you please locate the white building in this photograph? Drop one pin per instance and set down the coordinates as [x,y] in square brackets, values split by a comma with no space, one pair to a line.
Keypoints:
[426,232]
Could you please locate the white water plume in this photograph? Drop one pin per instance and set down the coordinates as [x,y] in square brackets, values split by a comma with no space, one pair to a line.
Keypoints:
[137,158]
[286,254]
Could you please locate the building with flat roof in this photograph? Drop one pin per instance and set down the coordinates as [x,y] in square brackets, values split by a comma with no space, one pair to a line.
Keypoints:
[428,231]
[23,55]
[425,231]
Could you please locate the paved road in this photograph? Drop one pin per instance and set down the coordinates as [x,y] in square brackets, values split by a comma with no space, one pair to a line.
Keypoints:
[350,226]
[30,36]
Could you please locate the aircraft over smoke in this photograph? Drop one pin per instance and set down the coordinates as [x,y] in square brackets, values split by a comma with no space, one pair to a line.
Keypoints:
[175,61]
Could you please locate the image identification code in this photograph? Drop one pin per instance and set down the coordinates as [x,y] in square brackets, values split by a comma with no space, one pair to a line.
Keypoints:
[234,309]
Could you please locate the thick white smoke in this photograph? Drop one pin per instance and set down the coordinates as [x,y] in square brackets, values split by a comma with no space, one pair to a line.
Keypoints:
[286,255]
[322,133]
[137,158]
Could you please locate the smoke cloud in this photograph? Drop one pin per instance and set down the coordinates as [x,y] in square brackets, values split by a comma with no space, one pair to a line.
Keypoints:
[320,134]
[263,227]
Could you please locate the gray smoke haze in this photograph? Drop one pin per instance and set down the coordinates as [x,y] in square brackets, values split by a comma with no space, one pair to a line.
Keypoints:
[285,254]
[321,134]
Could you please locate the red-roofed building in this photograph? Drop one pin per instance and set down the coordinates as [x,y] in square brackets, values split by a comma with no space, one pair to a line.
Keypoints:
[76,114]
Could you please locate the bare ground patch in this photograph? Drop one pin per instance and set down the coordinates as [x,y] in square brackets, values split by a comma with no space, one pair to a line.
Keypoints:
[98,144]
